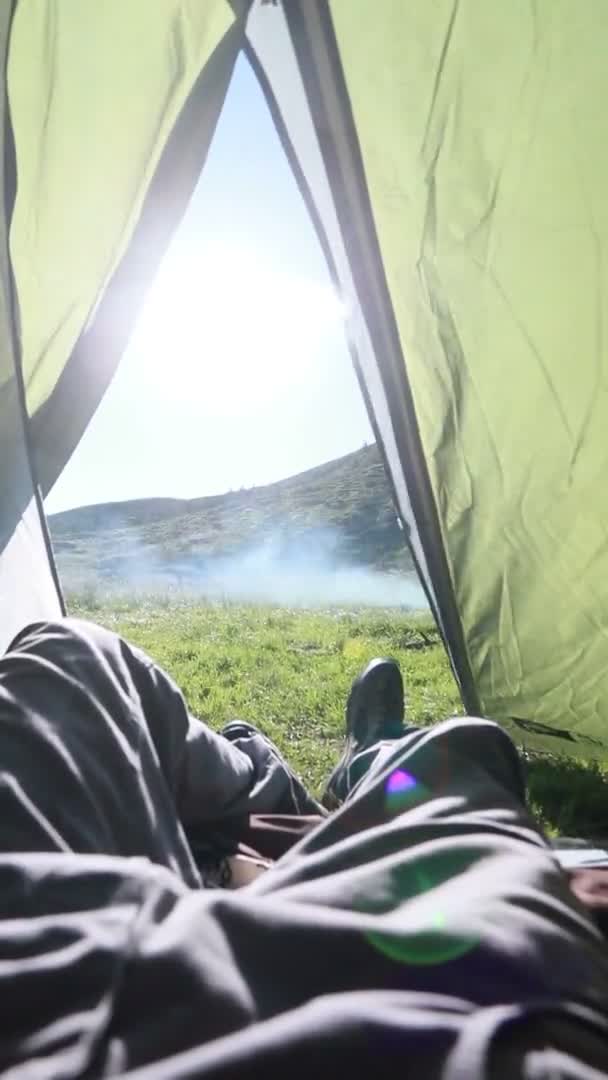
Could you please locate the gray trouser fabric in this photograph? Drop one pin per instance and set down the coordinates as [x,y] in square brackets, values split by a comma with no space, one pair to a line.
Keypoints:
[426,927]
[99,754]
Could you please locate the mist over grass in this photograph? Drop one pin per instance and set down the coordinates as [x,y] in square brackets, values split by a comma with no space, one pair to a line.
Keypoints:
[308,573]
[329,536]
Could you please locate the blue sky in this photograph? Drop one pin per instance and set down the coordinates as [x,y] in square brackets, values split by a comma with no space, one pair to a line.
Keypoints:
[237,372]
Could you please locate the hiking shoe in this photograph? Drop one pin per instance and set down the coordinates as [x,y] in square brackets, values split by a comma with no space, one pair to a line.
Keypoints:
[239,729]
[374,712]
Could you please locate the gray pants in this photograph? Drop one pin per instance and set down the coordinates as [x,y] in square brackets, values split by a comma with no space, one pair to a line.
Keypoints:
[425,927]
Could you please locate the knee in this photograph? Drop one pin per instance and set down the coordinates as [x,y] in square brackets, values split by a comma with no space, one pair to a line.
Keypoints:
[473,731]
[475,725]
[78,634]
[485,742]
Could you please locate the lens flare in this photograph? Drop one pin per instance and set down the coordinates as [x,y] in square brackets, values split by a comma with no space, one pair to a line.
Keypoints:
[399,781]
[438,938]
[402,791]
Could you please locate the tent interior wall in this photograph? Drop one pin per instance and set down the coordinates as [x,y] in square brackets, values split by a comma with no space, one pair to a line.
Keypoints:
[454,166]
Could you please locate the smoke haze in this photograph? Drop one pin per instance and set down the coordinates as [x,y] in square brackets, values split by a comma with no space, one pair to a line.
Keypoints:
[307,573]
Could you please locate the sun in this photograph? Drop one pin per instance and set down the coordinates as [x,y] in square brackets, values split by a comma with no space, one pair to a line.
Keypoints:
[233,329]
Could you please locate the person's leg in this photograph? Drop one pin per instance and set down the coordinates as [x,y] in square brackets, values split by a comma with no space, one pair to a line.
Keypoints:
[99,753]
[267,832]
[278,785]
[424,926]
[374,715]
[434,878]
[425,922]
[436,746]
[376,719]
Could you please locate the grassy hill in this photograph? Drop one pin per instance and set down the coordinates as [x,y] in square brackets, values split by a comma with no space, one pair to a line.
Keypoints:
[340,513]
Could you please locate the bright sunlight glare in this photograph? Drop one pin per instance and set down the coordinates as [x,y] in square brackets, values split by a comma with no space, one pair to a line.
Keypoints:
[229,328]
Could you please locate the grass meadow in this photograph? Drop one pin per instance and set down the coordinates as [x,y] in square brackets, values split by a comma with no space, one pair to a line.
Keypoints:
[289,672]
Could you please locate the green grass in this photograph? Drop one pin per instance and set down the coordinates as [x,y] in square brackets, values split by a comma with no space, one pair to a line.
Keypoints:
[290,671]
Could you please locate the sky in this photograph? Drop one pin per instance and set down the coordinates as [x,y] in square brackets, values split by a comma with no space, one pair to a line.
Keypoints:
[237,372]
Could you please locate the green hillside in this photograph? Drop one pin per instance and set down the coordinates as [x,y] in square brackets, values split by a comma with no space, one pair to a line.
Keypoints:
[340,512]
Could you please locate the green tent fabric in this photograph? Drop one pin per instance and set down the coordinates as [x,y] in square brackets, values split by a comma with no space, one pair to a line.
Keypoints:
[109,127]
[453,157]
[94,92]
[486,161]
[467,165]
[28,584]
